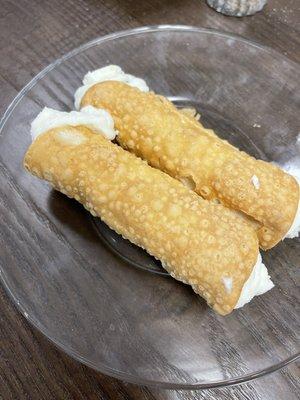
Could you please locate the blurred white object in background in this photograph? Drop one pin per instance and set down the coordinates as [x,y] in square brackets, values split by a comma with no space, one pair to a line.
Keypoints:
[237,8]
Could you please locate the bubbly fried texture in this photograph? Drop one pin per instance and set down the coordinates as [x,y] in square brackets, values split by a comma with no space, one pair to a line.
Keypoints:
[200,243]
[151,127]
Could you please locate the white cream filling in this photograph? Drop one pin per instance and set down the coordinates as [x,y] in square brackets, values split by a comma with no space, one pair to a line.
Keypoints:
[227,282]
[98,120]
[258,283]
[108,73]
[255,182]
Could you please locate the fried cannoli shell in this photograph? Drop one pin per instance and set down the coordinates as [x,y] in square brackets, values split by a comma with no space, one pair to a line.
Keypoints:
[200,243]
[151,127]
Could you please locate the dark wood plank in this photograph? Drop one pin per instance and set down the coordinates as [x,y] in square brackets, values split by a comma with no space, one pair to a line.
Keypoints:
[35,33]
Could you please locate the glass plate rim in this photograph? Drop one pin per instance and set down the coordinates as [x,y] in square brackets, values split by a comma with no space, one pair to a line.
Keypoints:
[58,344]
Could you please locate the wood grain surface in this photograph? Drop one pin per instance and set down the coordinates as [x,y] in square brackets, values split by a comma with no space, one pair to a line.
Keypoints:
[33,34]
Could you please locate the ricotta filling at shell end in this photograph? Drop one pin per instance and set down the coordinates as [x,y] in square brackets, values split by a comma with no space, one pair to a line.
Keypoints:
[98,120]
[259,282]
[108,73]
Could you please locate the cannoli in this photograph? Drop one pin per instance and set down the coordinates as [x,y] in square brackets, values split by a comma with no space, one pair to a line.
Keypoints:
[151,127]
[200,243]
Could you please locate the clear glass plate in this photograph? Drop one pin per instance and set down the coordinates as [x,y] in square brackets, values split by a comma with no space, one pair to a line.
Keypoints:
[76,282]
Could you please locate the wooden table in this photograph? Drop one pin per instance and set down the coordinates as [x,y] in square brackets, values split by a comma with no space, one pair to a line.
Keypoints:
[33,34]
